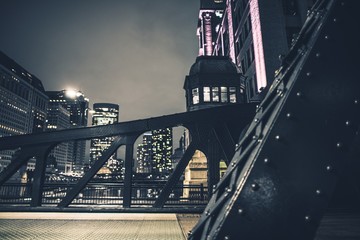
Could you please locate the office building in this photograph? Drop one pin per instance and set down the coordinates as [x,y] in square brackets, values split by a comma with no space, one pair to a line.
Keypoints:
[23,103]
[77,105]
[162,149]
[102,114]
[144,155]
[58,118]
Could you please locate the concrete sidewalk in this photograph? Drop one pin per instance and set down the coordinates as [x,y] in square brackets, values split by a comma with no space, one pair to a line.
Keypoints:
[78,226]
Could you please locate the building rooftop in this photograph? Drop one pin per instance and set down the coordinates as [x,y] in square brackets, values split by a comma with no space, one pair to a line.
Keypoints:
[13,66]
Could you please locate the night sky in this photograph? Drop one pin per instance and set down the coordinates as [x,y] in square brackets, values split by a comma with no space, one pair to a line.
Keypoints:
[133,53]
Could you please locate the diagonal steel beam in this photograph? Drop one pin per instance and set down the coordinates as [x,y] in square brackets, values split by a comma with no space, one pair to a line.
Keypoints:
[175,176]
[73,192]
[129,163]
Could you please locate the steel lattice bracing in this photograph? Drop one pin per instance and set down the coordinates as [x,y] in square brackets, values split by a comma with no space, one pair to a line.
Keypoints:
[285,168]
[219,126]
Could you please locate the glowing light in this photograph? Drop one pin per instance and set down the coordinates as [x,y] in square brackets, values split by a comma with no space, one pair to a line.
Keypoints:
[71,93]
[231,31]
[258,45]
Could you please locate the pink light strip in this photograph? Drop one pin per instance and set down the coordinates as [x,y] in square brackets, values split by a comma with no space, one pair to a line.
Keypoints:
[231,30]
[258,44]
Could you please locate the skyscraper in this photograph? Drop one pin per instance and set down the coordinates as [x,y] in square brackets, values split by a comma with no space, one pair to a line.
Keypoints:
[59,118]
[77,104]
[144,154]
[253,33]
[23,103]
[102,114]
[161,152]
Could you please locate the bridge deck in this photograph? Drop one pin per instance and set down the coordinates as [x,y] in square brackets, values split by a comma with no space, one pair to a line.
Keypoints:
[49,226]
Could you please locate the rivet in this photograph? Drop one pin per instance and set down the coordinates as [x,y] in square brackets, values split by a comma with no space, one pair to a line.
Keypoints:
[207,213]
[318,192]
[233,164]
[226,237]
[277,137]
[288,115]
[298,94]
[256,120]
[228,190]
[190,233]
[347,123]
[307,218]
[254,186]
[339,145]
[240,211]
[254,137]
[356,101]
[326,37]
[329,168]
[317,55]
[266,160]
[342,4]
[335,20]
[308,74]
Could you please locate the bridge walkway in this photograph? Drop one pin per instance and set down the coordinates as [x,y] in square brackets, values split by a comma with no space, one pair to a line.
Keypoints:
[338,225]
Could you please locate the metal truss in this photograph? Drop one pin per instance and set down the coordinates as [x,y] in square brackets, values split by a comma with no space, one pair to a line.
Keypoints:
[214,131]
[285,168]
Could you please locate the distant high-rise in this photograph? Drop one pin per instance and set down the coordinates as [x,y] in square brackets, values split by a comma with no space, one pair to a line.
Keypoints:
[102,114]
[23,103]
[253,33]
[144,154]
[162,146]
[59,118]
[77,104]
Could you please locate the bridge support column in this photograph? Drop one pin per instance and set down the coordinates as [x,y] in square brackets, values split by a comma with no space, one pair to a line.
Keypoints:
[39,175]
[129,163]
[213,161]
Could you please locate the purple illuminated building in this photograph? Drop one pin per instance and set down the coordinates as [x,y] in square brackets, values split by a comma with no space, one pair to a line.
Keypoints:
[253,33]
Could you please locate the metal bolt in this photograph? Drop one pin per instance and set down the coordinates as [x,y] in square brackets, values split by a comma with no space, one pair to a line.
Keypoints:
[326,37]
[233,164]
[240,211]
[308,74]
[256,120]
[307,218]
[190,233]
[288,115]
[317,55]
[347,123]
[254,137]
[266,160]
[298,94]
[228,190]
[339,145]
[254,186]
[318,192]
[226,237]
[277,137]
[356,101]
[207,213]
[335,20]
[329,168]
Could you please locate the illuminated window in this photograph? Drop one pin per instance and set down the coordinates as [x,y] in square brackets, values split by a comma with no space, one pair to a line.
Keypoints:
[206,94]
[215,94]
[195,95]
[224,97]
[232,94]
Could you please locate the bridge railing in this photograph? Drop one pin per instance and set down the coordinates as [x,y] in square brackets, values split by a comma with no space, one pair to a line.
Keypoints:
[104,194]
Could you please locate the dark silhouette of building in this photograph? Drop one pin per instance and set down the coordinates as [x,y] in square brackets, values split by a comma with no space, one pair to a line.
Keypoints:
[23,103]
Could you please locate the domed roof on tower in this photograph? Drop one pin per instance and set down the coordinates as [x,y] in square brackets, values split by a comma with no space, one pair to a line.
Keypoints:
[213,65]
